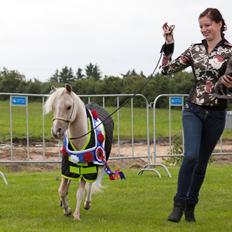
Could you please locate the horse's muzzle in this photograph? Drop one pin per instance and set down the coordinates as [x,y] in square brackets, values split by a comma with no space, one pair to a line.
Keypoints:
[57,133]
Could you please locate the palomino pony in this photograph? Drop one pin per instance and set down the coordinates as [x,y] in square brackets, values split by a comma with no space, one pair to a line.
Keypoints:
[88,133]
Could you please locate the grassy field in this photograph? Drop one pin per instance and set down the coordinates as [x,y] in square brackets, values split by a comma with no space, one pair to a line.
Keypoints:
[125,128]
[139,204]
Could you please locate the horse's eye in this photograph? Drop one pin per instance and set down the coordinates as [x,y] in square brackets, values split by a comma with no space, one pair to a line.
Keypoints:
[69,107]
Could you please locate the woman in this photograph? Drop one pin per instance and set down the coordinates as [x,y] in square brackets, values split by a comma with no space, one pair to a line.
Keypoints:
[204,114]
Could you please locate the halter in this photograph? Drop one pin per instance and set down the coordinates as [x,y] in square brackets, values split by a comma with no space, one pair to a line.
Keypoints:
[63,119]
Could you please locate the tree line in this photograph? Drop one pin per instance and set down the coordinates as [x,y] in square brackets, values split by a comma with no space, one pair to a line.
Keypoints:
[91,81]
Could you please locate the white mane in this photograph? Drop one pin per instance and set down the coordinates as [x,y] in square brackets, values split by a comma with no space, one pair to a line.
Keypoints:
[48,106]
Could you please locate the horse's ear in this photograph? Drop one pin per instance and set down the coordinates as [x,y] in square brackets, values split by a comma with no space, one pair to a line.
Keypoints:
[53,89]
[68,88]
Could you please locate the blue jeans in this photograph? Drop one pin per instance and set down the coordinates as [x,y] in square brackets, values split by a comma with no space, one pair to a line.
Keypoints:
[202,130]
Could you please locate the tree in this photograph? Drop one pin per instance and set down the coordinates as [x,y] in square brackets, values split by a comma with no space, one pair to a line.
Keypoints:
[112,85]
[79,74]
[96,73]
[66,75]
[10,80]
[127,74]
[142,74]
[63,76]
[55,77]
[33,86]
[133,73]
[93,71]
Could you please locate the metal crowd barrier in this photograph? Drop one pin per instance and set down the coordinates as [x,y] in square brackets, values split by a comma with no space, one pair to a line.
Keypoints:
[22,100]
[176,100]
[3,177]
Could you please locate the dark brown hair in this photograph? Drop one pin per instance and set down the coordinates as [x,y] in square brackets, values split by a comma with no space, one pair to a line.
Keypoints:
[215,15]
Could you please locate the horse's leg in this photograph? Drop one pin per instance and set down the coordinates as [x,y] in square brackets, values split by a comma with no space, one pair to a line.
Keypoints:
[87,204]
[63,193]
[79,196]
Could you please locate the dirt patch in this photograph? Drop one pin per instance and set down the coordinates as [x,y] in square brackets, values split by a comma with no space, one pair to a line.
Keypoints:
[16,167]
[222,159]
[135,156]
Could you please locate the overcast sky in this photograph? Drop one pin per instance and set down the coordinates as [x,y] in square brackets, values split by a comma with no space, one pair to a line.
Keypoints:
[39,36]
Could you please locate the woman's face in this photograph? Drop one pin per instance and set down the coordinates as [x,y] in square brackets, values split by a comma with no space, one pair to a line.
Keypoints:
[209,28]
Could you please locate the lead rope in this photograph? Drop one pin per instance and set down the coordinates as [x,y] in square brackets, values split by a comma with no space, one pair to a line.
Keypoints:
[124,101]
[117,174]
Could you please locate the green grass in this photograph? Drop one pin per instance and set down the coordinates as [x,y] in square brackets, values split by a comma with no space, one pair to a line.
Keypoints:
[140,203]
[125,128]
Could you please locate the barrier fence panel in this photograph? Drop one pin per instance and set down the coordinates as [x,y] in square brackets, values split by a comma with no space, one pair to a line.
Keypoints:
[228,120]
[3,177]
[17,108]
[177,100]
[29,118]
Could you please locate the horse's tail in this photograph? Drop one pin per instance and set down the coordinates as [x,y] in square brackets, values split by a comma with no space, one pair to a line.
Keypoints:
[97,186]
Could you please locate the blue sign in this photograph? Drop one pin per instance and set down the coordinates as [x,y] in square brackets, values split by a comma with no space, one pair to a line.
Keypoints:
[176,101]
[19,100]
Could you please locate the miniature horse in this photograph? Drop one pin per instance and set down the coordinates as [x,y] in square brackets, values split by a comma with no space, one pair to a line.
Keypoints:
[88,133]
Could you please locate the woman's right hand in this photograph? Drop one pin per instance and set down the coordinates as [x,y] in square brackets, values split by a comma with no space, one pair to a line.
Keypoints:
[168,33]
[226,80]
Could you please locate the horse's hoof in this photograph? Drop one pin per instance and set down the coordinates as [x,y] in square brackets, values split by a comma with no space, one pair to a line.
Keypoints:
[77,217]
[68,212]
[87,205]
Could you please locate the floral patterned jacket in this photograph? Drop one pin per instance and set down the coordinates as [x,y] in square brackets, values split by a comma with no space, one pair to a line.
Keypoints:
[207,69]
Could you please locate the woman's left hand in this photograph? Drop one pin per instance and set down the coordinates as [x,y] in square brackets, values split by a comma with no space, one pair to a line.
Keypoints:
[227,81]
